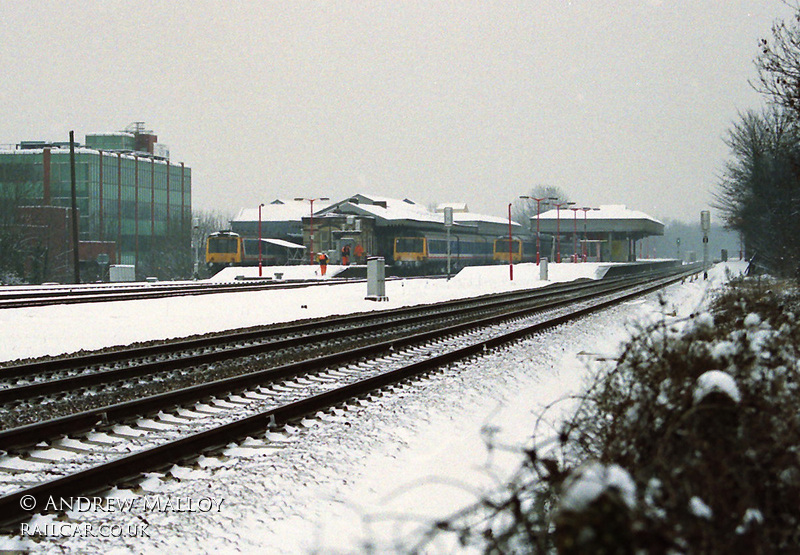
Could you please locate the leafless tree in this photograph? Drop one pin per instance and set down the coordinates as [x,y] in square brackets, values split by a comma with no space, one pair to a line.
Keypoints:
[778,64]
[525,209]
[759,191]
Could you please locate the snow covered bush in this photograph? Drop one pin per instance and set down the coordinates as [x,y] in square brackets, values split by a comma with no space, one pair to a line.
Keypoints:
[703,413]
[689,443]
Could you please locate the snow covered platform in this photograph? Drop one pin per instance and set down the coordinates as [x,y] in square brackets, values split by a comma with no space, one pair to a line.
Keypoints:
[620,269]
[526,272]
[301,272]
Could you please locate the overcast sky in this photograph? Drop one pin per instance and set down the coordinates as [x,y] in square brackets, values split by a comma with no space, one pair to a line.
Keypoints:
[615,101]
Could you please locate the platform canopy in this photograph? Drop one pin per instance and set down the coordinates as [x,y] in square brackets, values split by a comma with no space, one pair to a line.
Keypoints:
[616,219]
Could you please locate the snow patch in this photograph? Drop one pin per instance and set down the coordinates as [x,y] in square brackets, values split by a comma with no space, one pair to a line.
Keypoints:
[752,320]
[716,381]
[591,480]
[700,509]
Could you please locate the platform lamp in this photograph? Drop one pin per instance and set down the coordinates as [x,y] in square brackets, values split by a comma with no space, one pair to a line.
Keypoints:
[558,206]
[575,234]
[585,209]
[510,261]
[311,233]
[539,211]
[260,266]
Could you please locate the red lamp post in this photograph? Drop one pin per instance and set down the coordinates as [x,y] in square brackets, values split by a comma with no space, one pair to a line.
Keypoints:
[259,240]
[510,261]
[575,234]
[311,232]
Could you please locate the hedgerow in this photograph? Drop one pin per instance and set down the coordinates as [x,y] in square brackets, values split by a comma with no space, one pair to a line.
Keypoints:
[690,442]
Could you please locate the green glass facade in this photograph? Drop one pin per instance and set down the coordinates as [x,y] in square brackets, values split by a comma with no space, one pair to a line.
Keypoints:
[134,199]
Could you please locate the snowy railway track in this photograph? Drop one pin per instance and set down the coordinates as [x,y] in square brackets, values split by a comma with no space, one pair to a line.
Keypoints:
[24,297]
[156,366]
[98,459]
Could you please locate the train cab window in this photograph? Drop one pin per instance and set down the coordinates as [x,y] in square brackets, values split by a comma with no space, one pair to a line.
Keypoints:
[409,244]
[222,244]
[502,245]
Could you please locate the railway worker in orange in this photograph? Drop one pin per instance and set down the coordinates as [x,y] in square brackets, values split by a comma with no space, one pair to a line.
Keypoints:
[346,255]
[359,252]
[322,259]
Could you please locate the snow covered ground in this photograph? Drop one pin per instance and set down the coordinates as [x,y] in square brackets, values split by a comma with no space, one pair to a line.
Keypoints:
[376,473]
[37,331]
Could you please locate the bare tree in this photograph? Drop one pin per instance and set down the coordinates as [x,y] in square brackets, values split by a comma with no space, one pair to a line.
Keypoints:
[778,64]
[525,209]
[759,191]
[172,256]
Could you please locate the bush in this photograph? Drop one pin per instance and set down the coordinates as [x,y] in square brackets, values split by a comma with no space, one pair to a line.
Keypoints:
[691,442]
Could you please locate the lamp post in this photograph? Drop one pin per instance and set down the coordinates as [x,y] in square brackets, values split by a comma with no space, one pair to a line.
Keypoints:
[510,264]
[585,238]
[558,228]
[575,234]
[539,211]
[311,233]
[260,266]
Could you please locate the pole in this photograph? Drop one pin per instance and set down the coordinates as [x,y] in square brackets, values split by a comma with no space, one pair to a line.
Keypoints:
[510,265]
[311,233]
[259,240]
[448,223]
[575,234]
[448,253]
[585,237]
[311,236]
[538,242]
[75,253]
[558,233]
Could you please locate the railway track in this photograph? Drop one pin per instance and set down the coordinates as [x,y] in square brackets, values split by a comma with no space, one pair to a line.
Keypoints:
[35,379]
[181,424]
[24,297]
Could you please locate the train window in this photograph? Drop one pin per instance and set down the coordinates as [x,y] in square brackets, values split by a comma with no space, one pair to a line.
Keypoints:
[222,244]
[502,245]
[408,244]
[437,246]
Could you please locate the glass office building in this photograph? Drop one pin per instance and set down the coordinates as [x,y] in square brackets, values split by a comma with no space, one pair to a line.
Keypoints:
[128,191]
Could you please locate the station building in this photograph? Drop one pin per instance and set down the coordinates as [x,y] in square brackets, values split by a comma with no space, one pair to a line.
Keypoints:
[373,222]
[134,203]
[606,234]
[280,219]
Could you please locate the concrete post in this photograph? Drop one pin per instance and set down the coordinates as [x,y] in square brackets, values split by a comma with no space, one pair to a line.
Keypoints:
[376,279]
[543,269]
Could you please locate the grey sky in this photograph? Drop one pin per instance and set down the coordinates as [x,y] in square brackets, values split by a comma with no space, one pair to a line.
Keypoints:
[614,101]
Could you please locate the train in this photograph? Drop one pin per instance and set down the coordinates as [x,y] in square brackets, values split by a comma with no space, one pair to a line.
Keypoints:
[227,248]
[423,253]
[428,252]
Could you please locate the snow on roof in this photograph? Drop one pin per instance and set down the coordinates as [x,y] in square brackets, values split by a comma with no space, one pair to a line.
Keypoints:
[470,217]
[282,243]
[389,209]
[604,212]
[456,206]
[112,134]
[60,149]
[392,209]
[280,210]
